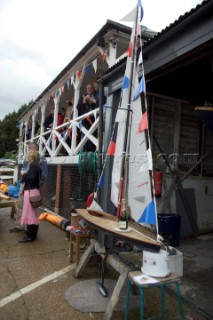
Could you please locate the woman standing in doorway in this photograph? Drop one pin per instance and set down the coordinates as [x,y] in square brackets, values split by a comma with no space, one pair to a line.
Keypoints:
[31,181]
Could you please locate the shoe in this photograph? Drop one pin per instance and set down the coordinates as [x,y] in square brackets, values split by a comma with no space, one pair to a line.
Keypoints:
[15,229]
[25,240]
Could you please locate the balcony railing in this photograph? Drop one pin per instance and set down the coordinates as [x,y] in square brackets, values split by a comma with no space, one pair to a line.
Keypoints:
[66,140]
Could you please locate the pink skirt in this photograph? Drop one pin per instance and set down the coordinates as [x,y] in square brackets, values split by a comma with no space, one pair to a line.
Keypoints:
[29,214]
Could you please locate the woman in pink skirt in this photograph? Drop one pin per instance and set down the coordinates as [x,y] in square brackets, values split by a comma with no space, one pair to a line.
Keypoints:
[31,181]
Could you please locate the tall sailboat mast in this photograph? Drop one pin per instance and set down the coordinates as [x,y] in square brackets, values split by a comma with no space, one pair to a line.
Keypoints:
[124,164]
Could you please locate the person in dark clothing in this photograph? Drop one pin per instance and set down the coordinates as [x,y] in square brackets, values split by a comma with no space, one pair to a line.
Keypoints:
[31,181]
[87,103]
[48,123]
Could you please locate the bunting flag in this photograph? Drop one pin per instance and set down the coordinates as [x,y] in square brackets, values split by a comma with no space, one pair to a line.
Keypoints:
[88,71]
[125,84]
[79,73]
[79,124]
[149,214]
[140,88]
[111,148]
[62,88]
[94,63]
[69,132]
[104,56]
[68,84]
[141,12]
[101,181]
[95,206]
[53,95]
[89,120]
[129,50]
[72,78]
[143,123]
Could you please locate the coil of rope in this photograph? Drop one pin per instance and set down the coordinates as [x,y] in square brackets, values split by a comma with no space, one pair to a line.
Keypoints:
[87,162]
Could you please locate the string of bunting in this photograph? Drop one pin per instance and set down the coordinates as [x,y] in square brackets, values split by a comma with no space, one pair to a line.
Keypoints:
[78,74]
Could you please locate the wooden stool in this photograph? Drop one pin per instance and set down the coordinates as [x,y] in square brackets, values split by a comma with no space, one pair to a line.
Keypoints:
[161,282]
[76,241]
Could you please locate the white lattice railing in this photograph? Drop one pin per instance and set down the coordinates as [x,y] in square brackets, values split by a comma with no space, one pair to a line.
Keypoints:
[66,140]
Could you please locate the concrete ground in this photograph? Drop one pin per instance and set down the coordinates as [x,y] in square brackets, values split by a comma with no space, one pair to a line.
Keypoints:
[35,276]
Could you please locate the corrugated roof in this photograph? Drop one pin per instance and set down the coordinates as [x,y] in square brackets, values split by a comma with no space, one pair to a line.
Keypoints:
[176,22]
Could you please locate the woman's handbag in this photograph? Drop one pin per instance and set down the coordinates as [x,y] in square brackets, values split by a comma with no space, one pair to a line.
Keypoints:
[36,201]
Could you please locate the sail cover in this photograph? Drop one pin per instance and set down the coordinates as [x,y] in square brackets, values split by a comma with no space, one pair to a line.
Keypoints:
[137,153]
[121,118]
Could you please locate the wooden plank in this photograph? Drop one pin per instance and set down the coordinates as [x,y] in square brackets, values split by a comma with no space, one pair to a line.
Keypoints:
[115,296]
[160,280]
[84,259]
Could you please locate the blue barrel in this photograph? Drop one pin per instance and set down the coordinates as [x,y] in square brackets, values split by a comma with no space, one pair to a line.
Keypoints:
[169,227]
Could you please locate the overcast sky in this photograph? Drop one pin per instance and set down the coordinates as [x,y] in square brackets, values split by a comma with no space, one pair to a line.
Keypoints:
[38,38]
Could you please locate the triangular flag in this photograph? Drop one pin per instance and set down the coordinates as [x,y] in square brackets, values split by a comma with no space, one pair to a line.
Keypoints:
[149,214]
[125,84]
[139,89]
[87,70]
[89,120]
[79,73]
[79,124]
[94,63]
[62,88]
[140,59]
[143,123]
[129,51]
[111,148]
[72,79]
[69,132]
[68,83]
[130,16]
[101,181]
[95,206]
[103,56]
[141,12]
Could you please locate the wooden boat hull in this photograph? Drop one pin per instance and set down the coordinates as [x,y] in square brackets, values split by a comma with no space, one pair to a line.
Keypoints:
[135,234]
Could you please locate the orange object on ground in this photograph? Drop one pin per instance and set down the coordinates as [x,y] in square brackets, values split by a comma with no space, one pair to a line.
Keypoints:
[4,187]
[51,218]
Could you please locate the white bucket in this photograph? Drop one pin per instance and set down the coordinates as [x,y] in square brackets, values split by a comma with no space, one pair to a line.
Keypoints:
[155,264]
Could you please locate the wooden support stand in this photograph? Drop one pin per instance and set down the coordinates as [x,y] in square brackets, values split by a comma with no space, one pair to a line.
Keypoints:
[9,203]
[113,261]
